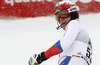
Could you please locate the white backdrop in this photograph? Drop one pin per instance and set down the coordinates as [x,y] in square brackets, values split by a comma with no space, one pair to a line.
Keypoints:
[21,38]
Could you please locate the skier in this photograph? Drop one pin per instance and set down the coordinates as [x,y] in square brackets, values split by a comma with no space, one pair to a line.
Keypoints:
[74,48]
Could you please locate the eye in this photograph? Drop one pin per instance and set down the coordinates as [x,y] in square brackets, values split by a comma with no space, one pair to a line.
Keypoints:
[63,14]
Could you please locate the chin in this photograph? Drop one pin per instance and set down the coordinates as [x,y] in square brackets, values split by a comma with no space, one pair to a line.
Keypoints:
[63,28]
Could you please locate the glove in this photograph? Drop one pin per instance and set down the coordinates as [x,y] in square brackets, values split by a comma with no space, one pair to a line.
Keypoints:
[37,59]
[32,60]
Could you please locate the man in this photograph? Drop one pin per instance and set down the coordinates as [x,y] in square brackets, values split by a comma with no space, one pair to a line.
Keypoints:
[75,46]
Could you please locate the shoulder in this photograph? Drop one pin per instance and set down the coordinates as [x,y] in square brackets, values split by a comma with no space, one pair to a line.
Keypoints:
[76,25]
[74,22]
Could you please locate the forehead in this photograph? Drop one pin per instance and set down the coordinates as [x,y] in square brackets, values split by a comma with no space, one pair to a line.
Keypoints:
[64,11]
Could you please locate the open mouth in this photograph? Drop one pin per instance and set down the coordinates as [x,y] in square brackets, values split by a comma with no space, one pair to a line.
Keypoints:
[63,23]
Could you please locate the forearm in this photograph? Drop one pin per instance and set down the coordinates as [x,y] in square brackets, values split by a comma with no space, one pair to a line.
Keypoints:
[54,50]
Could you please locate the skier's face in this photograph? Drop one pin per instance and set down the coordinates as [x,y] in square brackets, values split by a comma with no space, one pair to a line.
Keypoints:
[63,22]
[61,14]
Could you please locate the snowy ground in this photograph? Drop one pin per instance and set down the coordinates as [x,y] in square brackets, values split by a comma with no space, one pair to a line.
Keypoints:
[21,38]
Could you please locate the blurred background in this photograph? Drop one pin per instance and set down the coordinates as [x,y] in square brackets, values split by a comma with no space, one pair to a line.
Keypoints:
[29,26]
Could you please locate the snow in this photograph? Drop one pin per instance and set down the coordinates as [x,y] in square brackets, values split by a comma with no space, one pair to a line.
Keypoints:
[21,38]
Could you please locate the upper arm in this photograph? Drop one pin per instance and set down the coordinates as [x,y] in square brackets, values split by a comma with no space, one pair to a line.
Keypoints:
[65,42]
[70,34]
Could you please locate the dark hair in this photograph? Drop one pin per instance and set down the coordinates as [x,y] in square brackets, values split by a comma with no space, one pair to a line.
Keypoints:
[74,15]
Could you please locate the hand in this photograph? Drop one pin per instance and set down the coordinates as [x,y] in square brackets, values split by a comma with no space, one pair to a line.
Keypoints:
[32,60]
[37,59]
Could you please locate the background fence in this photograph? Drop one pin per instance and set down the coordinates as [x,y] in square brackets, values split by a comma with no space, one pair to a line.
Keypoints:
[34,8]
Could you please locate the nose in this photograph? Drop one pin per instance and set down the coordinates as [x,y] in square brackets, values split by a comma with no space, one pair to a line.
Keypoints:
[62,19]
